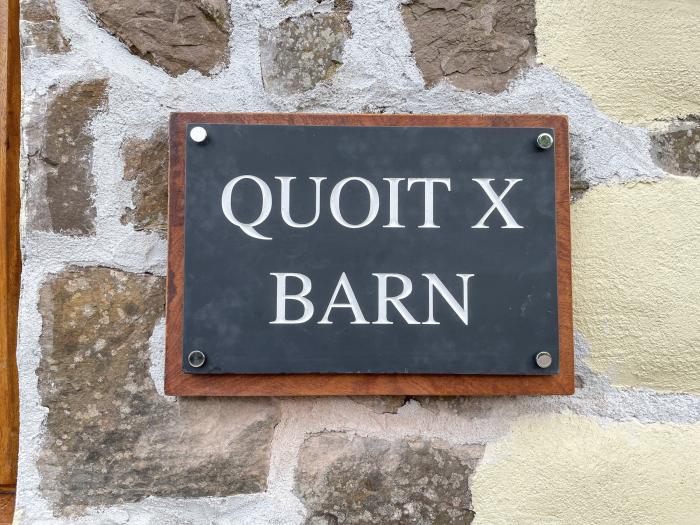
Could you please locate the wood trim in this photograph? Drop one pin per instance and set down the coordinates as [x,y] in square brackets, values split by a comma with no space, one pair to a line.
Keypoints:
[10,262]
[7,507]
[179,383]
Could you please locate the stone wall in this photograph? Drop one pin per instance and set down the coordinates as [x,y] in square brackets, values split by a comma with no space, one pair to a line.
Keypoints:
[100,443]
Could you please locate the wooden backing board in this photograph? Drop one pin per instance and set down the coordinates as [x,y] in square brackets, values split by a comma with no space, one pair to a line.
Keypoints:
[7,507]
[179,383]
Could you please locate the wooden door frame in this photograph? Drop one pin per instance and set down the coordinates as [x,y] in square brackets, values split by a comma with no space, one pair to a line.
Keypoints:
[10,260]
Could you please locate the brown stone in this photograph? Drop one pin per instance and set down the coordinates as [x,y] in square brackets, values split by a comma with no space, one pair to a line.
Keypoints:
[356,480]
[677,150]
[176,35]
[476,44]
[41,27]
[146,164]
[59,145]
[110,437]
[305,50]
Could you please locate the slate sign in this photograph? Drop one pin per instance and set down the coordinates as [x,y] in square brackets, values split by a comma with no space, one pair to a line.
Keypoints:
[394,247]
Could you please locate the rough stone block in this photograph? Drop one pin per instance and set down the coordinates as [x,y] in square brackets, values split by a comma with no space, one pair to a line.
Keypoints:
[356,480]
[110,437]
[146,164]
[678,150]
[577,180]
[303,51]
[381,404]
[61,186]
[478,45]
[176,35]
[41,28]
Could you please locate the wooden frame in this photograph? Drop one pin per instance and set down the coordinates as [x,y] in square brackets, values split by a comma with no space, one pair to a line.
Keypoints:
[10,261]
[179,383]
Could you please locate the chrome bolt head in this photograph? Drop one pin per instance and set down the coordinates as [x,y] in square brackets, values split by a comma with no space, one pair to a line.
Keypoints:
[196,359]
[543,359]
[198,134]
[545,141]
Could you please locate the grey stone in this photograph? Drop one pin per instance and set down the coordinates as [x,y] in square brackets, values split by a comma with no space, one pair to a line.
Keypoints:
[478,45]
[577,183]
[41,28]
[110,437]
[305,50]
[146,164]
[61,186]
[677,150]
[471,406]
[176,35]
[345,479]
[381,404]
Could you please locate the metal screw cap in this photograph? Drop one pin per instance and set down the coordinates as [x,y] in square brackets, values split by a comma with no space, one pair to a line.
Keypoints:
[196,358]
[543,359]
[545,141]
[198,134]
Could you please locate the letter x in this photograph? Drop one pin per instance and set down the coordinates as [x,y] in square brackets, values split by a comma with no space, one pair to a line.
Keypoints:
[497,201]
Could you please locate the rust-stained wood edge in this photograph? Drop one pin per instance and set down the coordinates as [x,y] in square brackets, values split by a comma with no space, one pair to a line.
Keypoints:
[181,384]
[10,262]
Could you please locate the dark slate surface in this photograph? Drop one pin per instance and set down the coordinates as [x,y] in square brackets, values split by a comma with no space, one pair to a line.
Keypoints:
[230,294]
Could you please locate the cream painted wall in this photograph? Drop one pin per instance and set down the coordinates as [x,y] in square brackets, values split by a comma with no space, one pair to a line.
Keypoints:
[571,469]
[636,257]
[638,60]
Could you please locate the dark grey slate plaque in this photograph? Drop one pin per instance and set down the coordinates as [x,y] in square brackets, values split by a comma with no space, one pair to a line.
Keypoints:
[230,289]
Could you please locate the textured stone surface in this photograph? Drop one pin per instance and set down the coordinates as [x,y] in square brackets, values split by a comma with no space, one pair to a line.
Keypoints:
[577,182]
[304,50]
[636,255]
[568,469]
[677,150]
[146,165]
[41,27]
[345,479]
[59,145]
[637,64]
[111,437]
[381,404]
[176,35]
[475,44]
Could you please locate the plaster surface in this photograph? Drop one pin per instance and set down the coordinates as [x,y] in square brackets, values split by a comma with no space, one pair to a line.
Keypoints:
[569,469]
[636,253]
[639,61]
